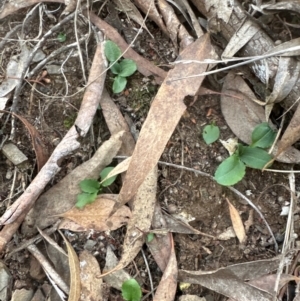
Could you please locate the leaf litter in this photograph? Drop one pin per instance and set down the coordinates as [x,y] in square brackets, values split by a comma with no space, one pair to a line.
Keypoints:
[290,137]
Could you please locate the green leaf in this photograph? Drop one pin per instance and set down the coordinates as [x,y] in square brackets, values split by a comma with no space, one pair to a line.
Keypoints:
[89,185]
[112,51]
[150,237]
[61,37]
[128,67]
[263,136]
[119,84]
[211,133]
[131,290]
[230,171]
[254,157]
[84,199]
[104,174]
[115,68]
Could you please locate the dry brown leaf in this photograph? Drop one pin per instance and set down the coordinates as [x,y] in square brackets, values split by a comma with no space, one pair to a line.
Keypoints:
[166,289]
[75,286]
[95,215]
[267,282]
[160,245]
[91,285]
[225,282]
[164,114]
[237,223]
[142,212]
[50,204]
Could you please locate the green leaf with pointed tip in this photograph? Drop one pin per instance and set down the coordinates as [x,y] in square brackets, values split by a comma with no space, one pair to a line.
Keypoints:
[263,136]
[211,133]
[128,67]
[119,84]
[112,51]
[89,185]
[104,174]
[84,199]
[131,290]
[254,157]
[230,171]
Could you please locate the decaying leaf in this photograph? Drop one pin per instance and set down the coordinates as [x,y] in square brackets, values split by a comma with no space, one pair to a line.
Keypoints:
[75,287]
[160,245]
[142,212]
[225,282]
[95,215]
[240,38]
[166,289]
[163,116]
[91,285]
[291,134]
[237,223]
[285,79]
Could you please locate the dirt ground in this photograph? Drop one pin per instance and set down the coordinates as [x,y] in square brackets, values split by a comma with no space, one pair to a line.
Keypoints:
[49,109]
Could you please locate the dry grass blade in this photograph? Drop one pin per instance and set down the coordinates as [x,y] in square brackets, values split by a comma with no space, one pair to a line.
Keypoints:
[237,223]
[164,114]
[75,286]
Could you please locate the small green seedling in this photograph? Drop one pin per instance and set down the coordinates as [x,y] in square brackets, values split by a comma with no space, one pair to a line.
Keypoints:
[61,37]
[211,133]
[131,290]
[91,188]
[121,68]
[233,169]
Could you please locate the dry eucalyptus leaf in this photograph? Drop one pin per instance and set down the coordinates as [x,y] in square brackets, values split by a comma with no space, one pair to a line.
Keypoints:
[142,212]
[166,289]
[225,282]
[286,76]
[240,39]
[237,223]
[91,285]
[164,114]
[74,294]
[96,215]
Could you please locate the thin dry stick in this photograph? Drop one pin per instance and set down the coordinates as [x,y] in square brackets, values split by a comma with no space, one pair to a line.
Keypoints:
[229,187]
